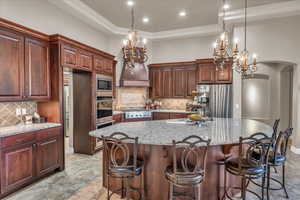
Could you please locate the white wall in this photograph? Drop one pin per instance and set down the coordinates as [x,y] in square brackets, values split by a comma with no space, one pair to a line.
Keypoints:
[178,50]
[43,16]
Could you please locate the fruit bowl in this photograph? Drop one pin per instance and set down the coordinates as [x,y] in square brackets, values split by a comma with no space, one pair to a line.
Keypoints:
[195,117]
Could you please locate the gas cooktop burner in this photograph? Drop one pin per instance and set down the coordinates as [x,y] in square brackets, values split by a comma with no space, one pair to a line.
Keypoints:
[138,114]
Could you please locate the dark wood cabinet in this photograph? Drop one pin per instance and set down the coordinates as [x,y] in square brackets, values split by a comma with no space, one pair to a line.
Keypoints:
[24,67]
[85,60]
[118,118]
[160,116]
[47,156]
[191,81]
[178,115]
[69,56]
[206,73]
[180,82]
[224,75]
[29,156]
[98,63]
[17,167]
[11,66]
[156,83]
[37,83]
[167,82]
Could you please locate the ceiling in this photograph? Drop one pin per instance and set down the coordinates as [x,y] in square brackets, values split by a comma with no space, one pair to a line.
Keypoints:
[163,14]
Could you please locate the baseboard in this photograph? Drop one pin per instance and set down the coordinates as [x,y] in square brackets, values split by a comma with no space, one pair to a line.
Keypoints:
[295,150]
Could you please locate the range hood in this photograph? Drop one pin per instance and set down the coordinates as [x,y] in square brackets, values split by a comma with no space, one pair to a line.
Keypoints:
[135,77]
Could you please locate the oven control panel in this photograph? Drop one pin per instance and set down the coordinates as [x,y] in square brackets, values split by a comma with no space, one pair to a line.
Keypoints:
[138,114]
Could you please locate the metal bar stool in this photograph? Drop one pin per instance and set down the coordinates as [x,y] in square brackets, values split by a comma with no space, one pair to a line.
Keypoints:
[248,167]
[278,158]
[122,163]
[188,168]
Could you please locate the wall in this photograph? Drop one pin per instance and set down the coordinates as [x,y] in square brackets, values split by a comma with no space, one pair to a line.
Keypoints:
[42,16]
[186,49]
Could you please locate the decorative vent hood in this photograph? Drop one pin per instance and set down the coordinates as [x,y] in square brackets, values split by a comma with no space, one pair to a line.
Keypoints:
[135,77]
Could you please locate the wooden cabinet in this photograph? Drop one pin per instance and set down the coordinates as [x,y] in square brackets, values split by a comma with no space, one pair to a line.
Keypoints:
[11,66]
[69,56]
[168,115]
[118,118]
[206,73]
[156,83]
[180,82]
[85,60]
[224,75]
[29,156]
[167,82]
[47,155]
[24,69]
[17,167]
[37,83]
[190,81]
[98,63]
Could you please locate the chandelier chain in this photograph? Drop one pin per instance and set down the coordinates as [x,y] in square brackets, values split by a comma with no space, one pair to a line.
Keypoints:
[245,36]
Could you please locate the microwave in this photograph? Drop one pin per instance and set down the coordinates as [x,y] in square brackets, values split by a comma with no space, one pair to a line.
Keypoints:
[104,83]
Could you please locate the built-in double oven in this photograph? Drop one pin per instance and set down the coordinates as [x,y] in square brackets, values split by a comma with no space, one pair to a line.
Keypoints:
[104,103]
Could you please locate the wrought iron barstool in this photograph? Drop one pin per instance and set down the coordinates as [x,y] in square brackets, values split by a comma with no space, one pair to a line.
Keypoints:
[278,158]
[188,169]
[122,163]
[248,167]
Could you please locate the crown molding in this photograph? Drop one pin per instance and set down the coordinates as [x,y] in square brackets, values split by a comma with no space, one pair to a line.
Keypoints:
[94,19]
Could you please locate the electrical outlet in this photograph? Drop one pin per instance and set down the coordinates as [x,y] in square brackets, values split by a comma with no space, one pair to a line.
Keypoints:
[24,111]
[18,111]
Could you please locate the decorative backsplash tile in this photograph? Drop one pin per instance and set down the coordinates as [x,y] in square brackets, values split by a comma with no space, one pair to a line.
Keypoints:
[130,97]
[174,104]
[8,111]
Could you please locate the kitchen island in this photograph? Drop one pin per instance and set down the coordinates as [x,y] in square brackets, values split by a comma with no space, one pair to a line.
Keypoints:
[155,139]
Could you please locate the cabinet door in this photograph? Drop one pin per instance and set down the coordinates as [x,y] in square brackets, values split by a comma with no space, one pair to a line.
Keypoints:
[69,56]
[108,67]
[47,156]
[118,118]
[178,115]
[167,83]
[156,83]
[11,66]
[179,82]
[224,75]
[98,63]
[85,60]
[37,81]
[160,116]
[191,81]
[206,73]
[17,167]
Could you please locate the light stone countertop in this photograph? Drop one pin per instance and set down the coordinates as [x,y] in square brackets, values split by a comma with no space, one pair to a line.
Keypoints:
[162,132]
[26,128]
[116,112]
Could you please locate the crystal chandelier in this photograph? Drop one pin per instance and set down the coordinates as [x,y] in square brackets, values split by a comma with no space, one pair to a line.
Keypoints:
[134,49]
[222,49]
[243,62]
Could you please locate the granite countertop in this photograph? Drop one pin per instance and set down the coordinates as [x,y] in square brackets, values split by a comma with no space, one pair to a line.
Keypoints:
[220,130]
[19,129]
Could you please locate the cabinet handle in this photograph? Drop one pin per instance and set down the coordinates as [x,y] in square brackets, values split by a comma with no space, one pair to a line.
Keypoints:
[34,145]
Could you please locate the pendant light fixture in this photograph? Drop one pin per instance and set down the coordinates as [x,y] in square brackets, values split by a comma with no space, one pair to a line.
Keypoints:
[242,62]
[222,46]
[134,49]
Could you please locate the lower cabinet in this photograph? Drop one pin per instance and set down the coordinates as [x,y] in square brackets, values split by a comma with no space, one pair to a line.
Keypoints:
[29,156]
[167,115]
[17,167]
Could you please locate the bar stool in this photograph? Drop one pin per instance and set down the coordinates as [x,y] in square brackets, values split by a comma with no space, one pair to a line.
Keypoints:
[188,169]
[248,167]
[122,163]
[278,158]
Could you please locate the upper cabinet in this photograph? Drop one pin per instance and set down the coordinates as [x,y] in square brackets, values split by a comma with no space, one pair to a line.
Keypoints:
[37,83]
[172,81]
[11,66]
[206,73]
[24,69]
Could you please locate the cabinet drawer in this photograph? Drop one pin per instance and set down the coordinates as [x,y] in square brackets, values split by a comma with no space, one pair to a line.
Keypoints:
[18,139]
[48,133]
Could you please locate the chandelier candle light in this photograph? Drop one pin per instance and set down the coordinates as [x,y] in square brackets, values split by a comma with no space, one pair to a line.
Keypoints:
[222,49]
[134,49]
[242,62]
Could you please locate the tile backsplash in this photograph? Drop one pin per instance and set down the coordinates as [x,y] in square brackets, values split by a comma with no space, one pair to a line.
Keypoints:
[129,97]
[8,111]
[174,103]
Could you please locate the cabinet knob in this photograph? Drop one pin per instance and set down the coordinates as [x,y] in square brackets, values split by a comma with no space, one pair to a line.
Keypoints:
[34,145]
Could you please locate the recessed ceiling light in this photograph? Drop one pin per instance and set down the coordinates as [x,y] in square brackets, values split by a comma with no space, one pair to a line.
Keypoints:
[145,19]
[182,13]
[130,3]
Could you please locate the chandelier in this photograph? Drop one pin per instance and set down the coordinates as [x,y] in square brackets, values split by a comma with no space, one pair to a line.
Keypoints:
[134,49]
[222,49]
[242,62]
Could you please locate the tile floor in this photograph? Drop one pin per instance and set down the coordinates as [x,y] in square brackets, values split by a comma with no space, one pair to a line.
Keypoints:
[82,181]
